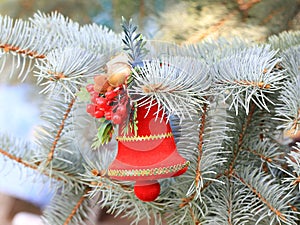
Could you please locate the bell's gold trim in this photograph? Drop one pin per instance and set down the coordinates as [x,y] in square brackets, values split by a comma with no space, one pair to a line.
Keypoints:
[145,138]
[147,172]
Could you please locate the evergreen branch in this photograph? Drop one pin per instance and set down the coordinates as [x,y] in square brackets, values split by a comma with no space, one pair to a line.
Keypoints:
[214,126]
[229,205]
[67,69]
[294,208]
[100,39]
[17,50]
[260,85]
[293,161]
[58,152]
[274,197]
[34,166]
[218,49]
[134,42]
[200,147]
[65,33]
[265,201]
[19,151]
[288,108]
[177,87]
[208,183]
[290,62]
[192,213]
[195,220]
[67,167]
[263,157]
[267,151]
[59,174]
[198,176]
[248,76]
[100,158]
[285,40]
[27,154]
[240,140]
[229,218]
[58,135]
[118,197]
[296,181]
[99,183]
[24,42]
[62,31]
[69,208]
[55,113]
[28,158]
[210,136]
[96,178]
[18,160]
[76,207]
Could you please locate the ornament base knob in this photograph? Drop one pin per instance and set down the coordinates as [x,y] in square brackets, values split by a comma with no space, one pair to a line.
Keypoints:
[147,191]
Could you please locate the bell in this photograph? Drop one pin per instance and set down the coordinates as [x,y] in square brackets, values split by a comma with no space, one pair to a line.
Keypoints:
[148,155]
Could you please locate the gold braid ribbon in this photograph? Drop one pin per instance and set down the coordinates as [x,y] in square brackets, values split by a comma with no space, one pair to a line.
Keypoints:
[145,138]
[147,172]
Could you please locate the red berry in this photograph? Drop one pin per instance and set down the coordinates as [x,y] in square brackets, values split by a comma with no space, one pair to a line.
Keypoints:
[105,108]
[121,110]
[90,108]
[116,119]
[94,97]
[99,114]
[101,102]
[110,95]
[90,88]
[108,115]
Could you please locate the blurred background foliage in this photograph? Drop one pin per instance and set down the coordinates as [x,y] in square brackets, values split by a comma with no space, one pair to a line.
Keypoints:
[174,20]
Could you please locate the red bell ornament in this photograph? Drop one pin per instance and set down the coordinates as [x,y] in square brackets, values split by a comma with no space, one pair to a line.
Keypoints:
[149,155]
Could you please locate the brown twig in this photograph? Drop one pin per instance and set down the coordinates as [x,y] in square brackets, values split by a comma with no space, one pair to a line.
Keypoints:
[76,207]
[57,76]
[260,84]
[211,181]
[58,134]
[200,144]
[296,181]
[265,201]
[185,201]
[240,141]
[34,54]
[229,219]
[294,208]
[265,158]
[196,221]
[102,174]
[98,173]
[33,166]
[18,160]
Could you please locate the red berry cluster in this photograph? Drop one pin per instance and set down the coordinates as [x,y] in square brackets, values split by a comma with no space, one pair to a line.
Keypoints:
[107,105]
